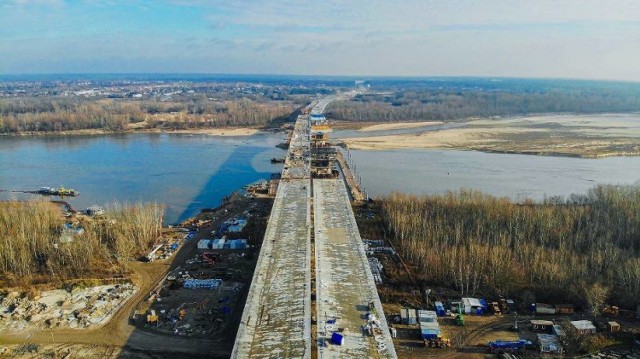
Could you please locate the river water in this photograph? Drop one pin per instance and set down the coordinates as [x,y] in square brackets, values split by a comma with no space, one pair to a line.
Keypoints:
[191,172]
[515,176]
[184,172]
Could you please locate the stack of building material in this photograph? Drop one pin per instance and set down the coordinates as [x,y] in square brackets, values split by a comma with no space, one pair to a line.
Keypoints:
[549,343]
[212,243]
[202,283]
[376,269]
[236,244]
[429,327]
[237,226]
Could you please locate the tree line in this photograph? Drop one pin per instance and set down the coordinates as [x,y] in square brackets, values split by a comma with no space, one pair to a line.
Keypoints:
[451,105]
[31,250]
[53,114]
[556,250]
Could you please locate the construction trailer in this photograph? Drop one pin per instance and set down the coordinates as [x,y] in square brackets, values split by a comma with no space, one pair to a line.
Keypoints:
[543,326]
[473,306]
[584,326]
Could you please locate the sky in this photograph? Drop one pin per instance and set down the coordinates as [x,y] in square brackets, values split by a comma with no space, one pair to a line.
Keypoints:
[590,39]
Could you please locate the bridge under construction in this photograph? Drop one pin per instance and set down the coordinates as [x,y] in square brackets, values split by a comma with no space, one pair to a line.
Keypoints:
[312,225]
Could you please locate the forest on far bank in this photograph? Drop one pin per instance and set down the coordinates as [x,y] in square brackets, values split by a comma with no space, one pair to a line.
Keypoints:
[459,104]
[56,114]
[557,251]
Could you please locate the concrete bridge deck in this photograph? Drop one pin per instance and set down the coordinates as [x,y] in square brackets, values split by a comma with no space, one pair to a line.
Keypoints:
[276,322]
[345,288]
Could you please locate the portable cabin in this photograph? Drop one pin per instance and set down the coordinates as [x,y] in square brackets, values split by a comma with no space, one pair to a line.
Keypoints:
[544,326]
[613,326]
[408,316]
[427,316]
[549,344]
[564,308]
[472,306]
[584,326]
[440,311]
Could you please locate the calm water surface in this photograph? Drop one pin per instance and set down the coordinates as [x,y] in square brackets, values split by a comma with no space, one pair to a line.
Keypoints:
[184,172]
[510,175]
[191,172]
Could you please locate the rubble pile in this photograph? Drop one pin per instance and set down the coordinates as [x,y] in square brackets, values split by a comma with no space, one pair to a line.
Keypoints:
[80,308]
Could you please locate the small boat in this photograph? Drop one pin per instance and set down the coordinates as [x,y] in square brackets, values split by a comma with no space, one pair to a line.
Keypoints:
[52,191]
[277,160]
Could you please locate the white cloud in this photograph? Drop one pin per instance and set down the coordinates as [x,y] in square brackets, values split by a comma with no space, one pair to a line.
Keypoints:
[542,38]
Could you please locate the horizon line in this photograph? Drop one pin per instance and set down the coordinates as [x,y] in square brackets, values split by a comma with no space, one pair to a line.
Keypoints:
[407,77]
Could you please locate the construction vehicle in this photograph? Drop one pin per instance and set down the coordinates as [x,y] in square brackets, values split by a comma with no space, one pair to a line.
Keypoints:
[438,342]
[152,318]
[610,310]
[494,308]
[505,305]
[459,317]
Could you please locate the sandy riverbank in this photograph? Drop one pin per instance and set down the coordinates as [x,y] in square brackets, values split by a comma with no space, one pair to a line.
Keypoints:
[399,126]
[224,132]
[586,136]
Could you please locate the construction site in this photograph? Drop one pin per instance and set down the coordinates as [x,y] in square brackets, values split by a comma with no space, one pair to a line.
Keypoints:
[297,267]
[313,285]
[438,322]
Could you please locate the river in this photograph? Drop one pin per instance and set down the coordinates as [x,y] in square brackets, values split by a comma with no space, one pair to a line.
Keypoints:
[184,172]
[190,172]
[504,175]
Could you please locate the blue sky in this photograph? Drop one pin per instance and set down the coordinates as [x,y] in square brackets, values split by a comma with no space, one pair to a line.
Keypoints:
[593,39]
